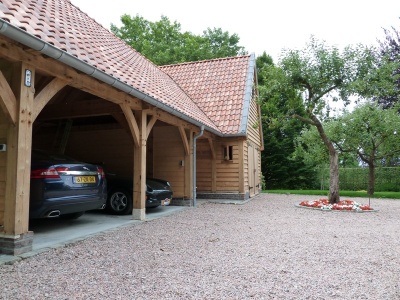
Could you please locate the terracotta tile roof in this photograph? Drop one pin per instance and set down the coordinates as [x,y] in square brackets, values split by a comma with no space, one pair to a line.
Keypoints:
[218,87]
[63,25]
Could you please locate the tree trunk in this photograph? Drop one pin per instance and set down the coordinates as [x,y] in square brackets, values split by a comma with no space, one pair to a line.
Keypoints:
[371,179]
[333,163]
[333,176]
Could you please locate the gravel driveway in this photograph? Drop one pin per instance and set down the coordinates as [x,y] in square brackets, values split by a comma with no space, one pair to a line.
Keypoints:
[264,249]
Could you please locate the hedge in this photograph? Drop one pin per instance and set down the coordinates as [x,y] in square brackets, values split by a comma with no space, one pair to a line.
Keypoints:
[387,179]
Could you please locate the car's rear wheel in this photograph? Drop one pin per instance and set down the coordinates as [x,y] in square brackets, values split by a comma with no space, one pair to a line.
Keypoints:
[119,202]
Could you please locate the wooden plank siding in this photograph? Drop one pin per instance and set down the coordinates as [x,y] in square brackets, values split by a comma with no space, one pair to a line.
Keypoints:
[168,152]
[204,166]
[2,185]
[254,142]
[114,149]
[228,170]
[254,126]
[245,166]
[111,147]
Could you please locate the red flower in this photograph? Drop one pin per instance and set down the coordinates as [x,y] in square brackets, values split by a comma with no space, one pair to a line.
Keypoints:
[341,205]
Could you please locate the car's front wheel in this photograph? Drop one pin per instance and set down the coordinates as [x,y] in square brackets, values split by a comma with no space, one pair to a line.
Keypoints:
[119,202]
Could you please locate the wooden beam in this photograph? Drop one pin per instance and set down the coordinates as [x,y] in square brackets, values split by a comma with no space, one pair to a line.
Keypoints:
[150,125]
[212,148]
[8,102]
[46,94]
[139,169]
[171,119]
[19,143]
[106,92]
[132,124]
[51,67]
[184,140]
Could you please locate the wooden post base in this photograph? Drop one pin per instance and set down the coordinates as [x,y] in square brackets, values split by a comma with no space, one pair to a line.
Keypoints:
[16,245]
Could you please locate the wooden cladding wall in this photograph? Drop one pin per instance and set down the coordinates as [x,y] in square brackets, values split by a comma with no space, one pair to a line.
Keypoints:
[3,140]
[255,141]
[2,185]
[111,147]
[245,166]
[254,126]
[227,176]
[168,152]
[227,171]
[204,166]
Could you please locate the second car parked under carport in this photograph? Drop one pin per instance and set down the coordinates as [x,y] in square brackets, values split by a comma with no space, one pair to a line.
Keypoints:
[120,194]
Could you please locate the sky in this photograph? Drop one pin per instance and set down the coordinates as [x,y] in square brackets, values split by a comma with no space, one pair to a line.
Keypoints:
[269,26]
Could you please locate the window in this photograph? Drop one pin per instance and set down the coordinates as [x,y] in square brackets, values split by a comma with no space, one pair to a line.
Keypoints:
[228,152]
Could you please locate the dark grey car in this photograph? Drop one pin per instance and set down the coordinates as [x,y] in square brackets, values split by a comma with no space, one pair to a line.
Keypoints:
[62,186]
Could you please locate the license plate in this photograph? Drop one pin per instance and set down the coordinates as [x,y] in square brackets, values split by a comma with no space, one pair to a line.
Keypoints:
[85,179]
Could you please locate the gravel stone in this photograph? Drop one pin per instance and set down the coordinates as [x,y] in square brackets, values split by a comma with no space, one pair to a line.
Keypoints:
[265,249]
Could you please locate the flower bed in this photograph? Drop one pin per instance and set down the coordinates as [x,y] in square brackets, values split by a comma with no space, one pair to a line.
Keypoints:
[346,205]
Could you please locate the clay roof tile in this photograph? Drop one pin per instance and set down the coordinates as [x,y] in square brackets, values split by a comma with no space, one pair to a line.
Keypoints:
[210,92]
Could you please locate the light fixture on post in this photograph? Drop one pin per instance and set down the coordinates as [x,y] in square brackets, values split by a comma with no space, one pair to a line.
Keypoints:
[28,77]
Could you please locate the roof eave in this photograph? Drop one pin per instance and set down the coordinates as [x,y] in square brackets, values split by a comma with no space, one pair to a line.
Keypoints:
[33,42]
[248,92]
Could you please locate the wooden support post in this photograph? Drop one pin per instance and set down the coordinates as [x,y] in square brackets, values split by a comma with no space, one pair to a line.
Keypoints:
[139,169]
[16,238]
[138,127]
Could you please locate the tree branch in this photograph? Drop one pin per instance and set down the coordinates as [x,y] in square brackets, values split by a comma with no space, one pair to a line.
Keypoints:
[325,92]
[305,120]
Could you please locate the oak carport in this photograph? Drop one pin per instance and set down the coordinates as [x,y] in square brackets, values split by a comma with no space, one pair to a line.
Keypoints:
[31,86]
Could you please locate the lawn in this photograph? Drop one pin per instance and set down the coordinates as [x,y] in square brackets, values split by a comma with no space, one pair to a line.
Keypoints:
[362,194]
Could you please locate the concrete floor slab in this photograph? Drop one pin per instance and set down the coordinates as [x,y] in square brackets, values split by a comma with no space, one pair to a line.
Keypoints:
[52,233]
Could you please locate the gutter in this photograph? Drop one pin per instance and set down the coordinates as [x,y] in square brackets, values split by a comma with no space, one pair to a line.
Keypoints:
[194,165]
[33,42]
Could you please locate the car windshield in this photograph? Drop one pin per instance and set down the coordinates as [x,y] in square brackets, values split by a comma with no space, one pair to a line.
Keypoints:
[156,185]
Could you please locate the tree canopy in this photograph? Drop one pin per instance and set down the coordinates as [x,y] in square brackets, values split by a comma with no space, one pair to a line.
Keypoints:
[371,132]
[280,169]
[390,47]
[323,75]
[368,133]
[163,41]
